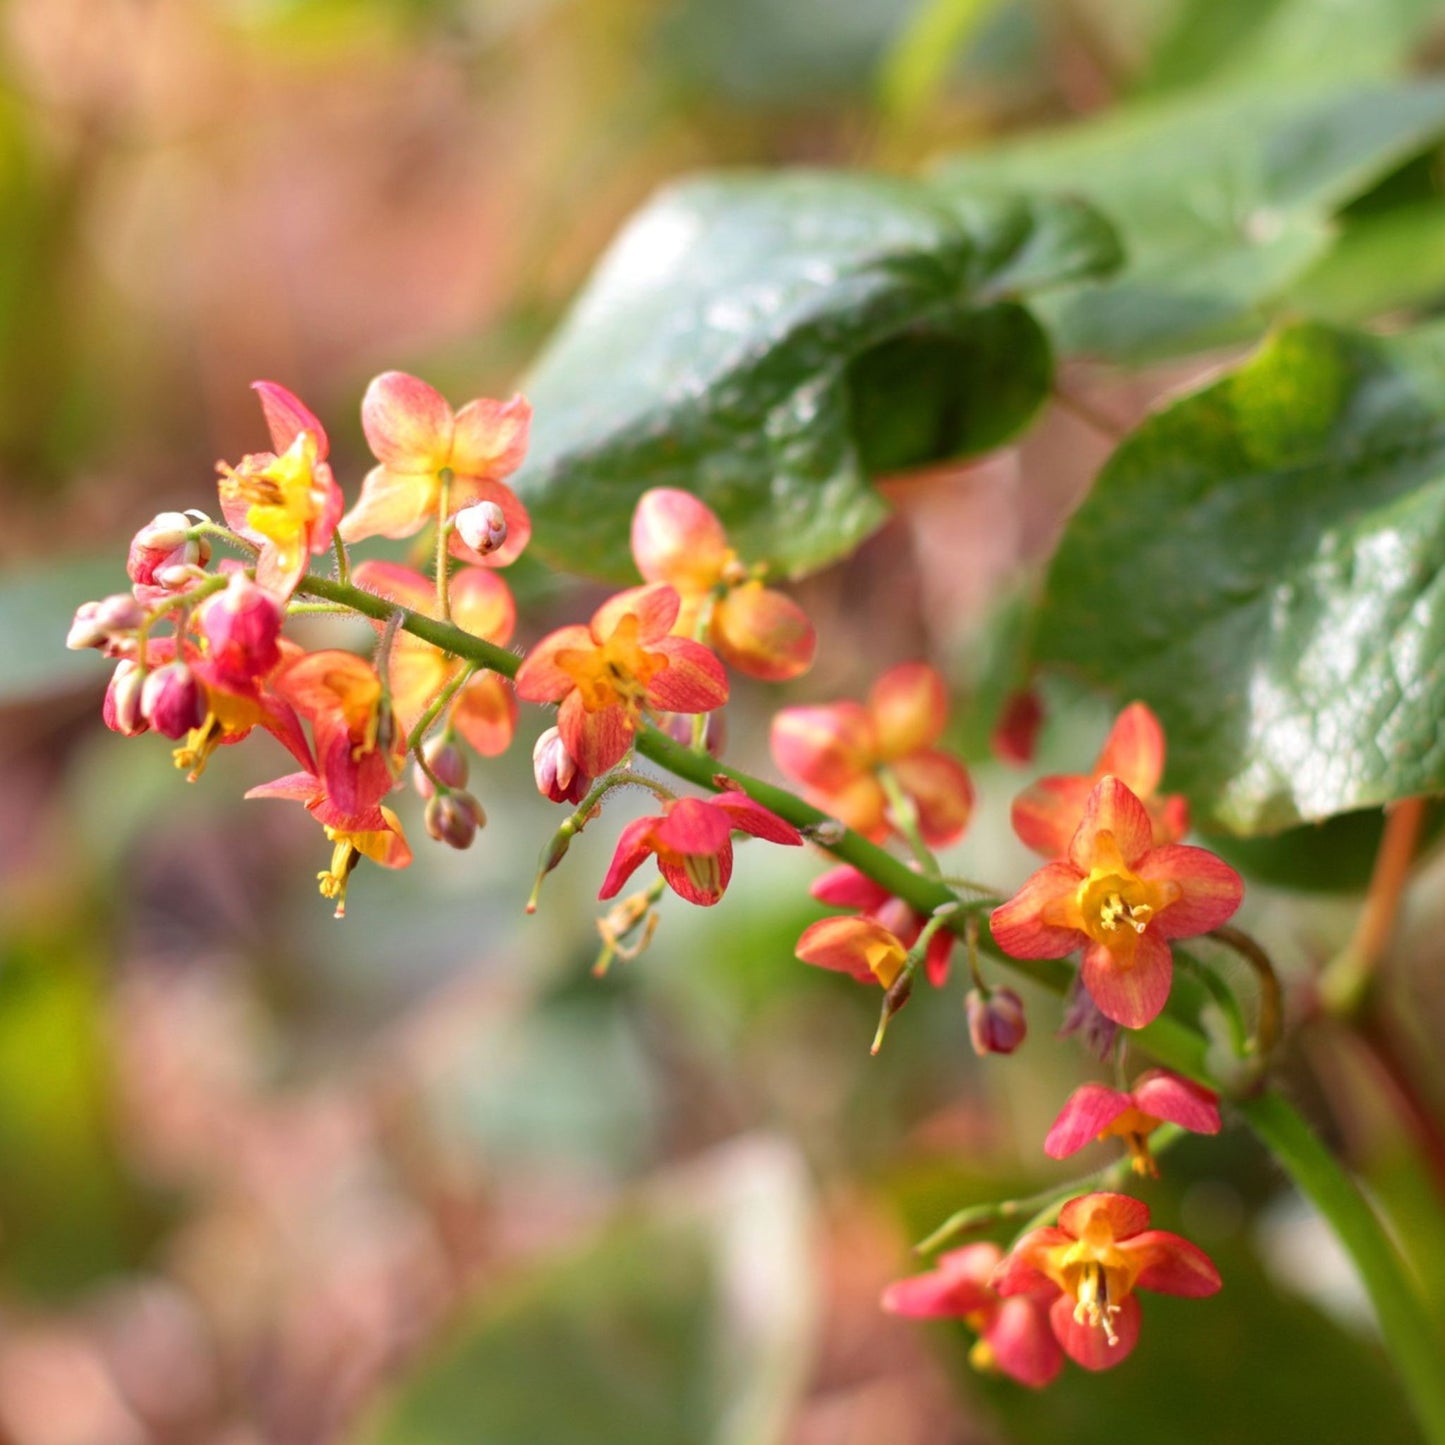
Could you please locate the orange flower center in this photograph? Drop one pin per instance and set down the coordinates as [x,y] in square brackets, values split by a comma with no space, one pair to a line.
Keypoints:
[1095,1273]
[616,672]
[281,492]
[1113,905]
[1134,1127]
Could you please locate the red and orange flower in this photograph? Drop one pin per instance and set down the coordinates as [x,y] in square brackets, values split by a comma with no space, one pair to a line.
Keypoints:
[846,887]
[1095,1111]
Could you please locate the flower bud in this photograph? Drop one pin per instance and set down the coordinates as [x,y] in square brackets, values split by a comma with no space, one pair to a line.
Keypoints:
[97,623]
[678,726]
[556,771]
[122,710]
[482,527]
[446,760]
[242,627]
[453,818]
[173,700]
[996,1022]
[1016,732]
[164,542]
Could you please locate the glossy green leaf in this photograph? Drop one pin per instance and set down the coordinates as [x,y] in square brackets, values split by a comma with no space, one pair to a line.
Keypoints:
[763,340]
[1221,201]
[1261,562]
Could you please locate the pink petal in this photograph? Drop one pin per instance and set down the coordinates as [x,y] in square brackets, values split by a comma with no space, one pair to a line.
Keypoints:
[1166,1096]
[1023,1270]
[1018,926]
[280,720]
[938,955]
[749,816]
[539,679]
[489,438]
[692,681]
[694,826]
[942,792]
[655,607]
[1174,1265]
[763,633]
[1131,994]
[957,1287]
[287,416]
[1210,889]
[1134,750]
[485,714]
[633,847]
[1088,1345]
[519,523]
[322,529]
[596,740]
[689,884]
[678,539]
[408,424]
[1047,814]
[393,503]
[297,787]
[1126,1215]
[482,604]
[1111,808]
[909,706]
[1089,1111]
[824,747]
[845,887]
[1023,1343]
[1170,816]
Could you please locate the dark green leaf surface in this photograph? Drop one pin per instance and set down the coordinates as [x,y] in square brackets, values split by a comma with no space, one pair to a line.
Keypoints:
[1262,564]
[765,340]
[1221,201]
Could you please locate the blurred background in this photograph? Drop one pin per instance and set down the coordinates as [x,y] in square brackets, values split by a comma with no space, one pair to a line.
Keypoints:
[269,1179]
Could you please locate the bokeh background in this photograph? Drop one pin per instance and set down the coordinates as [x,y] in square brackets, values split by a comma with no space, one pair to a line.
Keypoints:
[417,1178]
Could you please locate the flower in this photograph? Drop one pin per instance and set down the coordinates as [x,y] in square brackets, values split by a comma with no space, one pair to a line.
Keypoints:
[837,751]
[286,500]
[859,947]
[484,710]
[692,840]
[422,444]
[555,770]
[678,539]
[241,629]
[846,887]
[1095,1112]
[1014,1337]
[1047,812]
[1121,899]
[1100,1253]
[623,661]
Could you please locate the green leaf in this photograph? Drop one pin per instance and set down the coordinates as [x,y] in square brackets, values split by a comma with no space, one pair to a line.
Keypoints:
[762,340]
[1262,563]
[1221,202]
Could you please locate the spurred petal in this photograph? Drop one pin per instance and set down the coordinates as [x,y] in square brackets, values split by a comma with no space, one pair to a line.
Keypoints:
[909,706]
[763,633]
[749,816]
[942,792]
[596,740]
[482,604]
[845,887]
[693,825]
[1133,994]
[1166,1096]
[1087,1344]
[1023,1343]
[489,438]
[856,946]
[1210,890]
[678,539]
[393,503]
[1126,1215]
[692,681]
[387,846]
[1111,808]
[1047,814]
[1018,926]
[1134,750]
[701,885]
[485,714]
[287,416]
[860,804]
[655,607]
[330,684]
[633,846]
[408,424]
[417,673]
[519,523]
[1173,1265]
[1089,1111]
[825,747]
[539,679]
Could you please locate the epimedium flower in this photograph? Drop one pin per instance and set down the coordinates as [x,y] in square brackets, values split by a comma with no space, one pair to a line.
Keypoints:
[860,947]
[1101,1251]
[845,887]
[692,841]
[1094,1111]
[837,751]
[423,446]
[678,539]
[1122,900]
[1047,812]
[624,661]
[286,500]
[1014,1336]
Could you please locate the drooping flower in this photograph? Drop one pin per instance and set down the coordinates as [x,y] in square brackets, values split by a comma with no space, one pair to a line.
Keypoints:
[1014,1337]
[240,629]
[605,674]
[1094,1111]
[836,750]
[484,710]
[1046,814]
[859,947]
[420,444]
[1102,1251]
[677,539]
[285,500]
[555,771]
[1122,900]
[692,841]
[845,887]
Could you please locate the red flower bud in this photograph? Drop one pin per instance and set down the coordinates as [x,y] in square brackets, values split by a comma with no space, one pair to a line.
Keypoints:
[173,700]
[163,542]
[996,1023]
[122,710]
[453,818]
[556,771]
[482,527]
[242,626]
[446,760]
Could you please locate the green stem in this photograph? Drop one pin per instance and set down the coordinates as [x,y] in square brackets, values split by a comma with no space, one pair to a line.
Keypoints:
[343,562]
[444,498]
[424,722]
[1411,1336]
[904,817]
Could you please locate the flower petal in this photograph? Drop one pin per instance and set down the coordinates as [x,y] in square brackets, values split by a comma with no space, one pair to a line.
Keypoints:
[539,679]
[938,956]
[1089,1111]
[1173,1265]
[596,740]
[845,887]
[1087,1344]
[489,438]
[408,424]
[1166,1096]
[633,846]
[942,792]
[957,1287]
[749,816]
[482,604]
[655,606]
[1018,926]
[1111,808]
[1023,1344]
[1024,1269]
[763,633]
[909,706]
[1047,814]
[825,747]
[856,946]
[1126,1215]
[287,416]
[678,539]
[703,886]
[1131,994]
[519,523]
[485,714]
[393,503]
[297,787]
[1210,890]
[692,681]
[1134,750]
[694,825]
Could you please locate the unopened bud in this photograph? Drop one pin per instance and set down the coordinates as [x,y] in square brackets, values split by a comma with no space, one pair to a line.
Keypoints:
[98,623]
[122,711]
[453,818]
[899,992]
[556,771]
[164,542]
[242,628]
[173,700]
[482,527]
[446,760]
[1083,1016]
[1016,732]
[996,1021]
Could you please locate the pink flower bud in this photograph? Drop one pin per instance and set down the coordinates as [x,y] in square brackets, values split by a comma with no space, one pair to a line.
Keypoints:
[163,542]
[453,818]
[482,527]
[242,626]
[556,771]
[678,726]
[173,700]
[97,623]
[122,710]
[996,1023]
[446,760]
